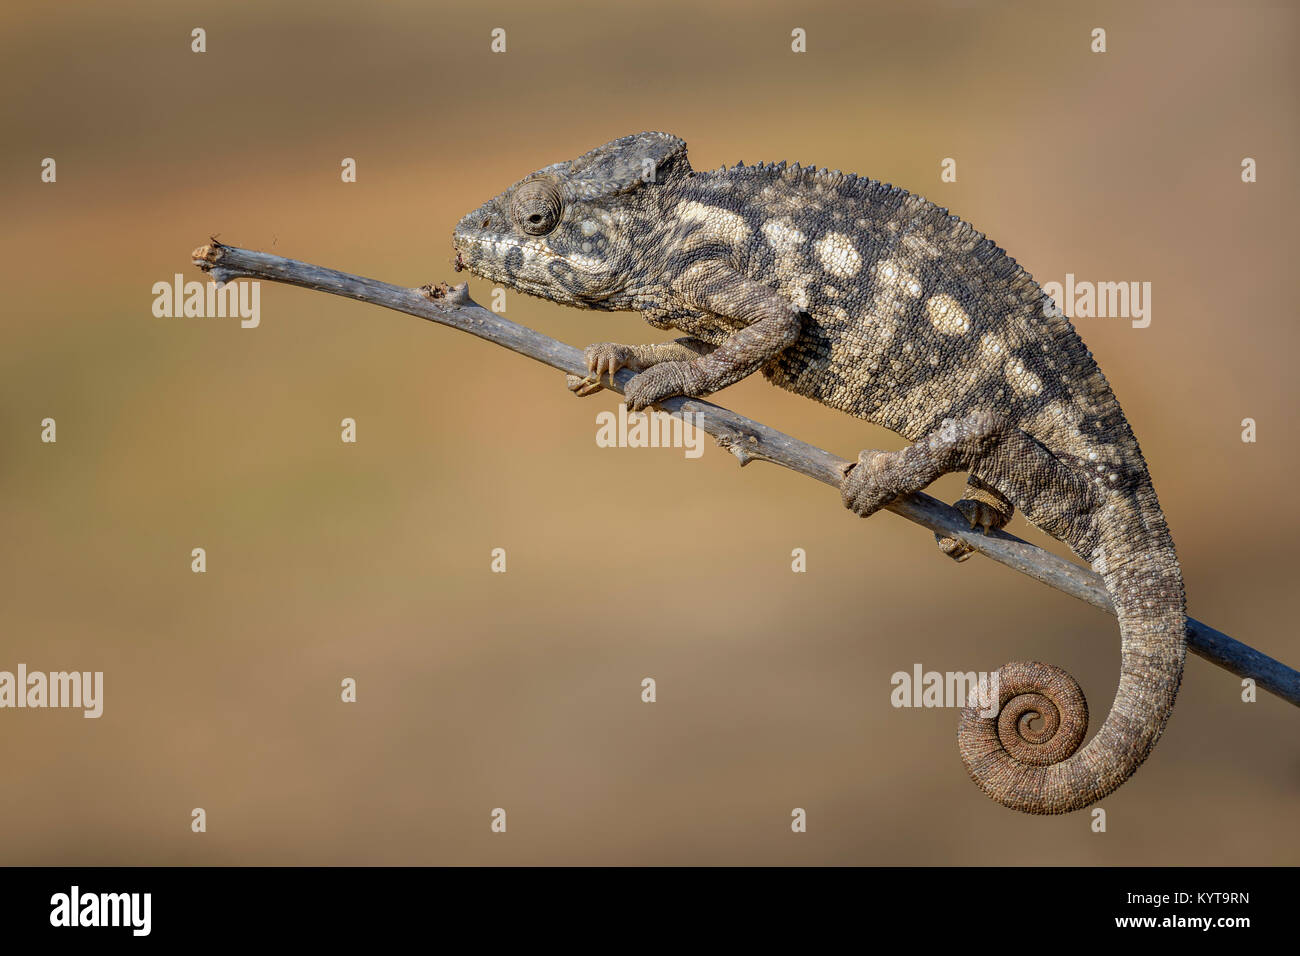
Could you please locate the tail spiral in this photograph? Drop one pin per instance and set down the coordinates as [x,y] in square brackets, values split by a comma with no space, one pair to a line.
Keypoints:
[1042,769]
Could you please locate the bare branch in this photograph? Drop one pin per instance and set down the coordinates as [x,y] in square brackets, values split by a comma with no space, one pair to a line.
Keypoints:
[748,440]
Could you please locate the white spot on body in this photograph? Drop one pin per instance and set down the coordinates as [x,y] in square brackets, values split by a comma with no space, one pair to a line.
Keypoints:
[1022,380]
[782,236]
[837,254]
[718,223]
[947,315]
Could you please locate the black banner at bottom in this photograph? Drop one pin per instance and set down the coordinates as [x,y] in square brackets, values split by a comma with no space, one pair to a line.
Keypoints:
[662,906]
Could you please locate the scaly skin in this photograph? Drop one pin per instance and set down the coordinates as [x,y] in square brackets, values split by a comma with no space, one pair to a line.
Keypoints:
[877,302]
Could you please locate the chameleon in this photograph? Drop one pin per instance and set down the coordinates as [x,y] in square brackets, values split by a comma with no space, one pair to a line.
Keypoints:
[877,302]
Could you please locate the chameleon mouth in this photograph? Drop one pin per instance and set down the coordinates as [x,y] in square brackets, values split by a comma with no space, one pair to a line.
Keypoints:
[529,266]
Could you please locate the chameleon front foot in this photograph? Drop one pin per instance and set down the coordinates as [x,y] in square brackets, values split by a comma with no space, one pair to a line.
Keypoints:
[582,387]
[662,381]
[603,359]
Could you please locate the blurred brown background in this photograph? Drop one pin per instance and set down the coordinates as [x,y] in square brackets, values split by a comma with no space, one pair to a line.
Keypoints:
[479,690]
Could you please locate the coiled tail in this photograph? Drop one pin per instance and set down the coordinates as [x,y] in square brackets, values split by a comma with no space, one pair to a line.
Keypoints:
[1041,769]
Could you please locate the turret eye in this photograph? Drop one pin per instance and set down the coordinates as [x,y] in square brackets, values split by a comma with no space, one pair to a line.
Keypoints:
[537,207]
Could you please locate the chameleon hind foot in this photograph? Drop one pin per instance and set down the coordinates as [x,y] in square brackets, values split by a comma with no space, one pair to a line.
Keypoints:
[880,477]
[984,507]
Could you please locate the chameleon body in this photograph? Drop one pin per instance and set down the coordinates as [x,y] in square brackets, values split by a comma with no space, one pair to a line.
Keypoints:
[877,302]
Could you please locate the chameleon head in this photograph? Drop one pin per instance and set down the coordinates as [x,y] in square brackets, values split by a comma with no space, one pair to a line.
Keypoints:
[572,232]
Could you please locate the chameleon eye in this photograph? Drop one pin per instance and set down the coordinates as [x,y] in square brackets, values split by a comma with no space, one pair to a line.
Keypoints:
[537,207]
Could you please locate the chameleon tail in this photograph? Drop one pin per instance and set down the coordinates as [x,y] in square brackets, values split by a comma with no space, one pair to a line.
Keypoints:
[1042,770]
